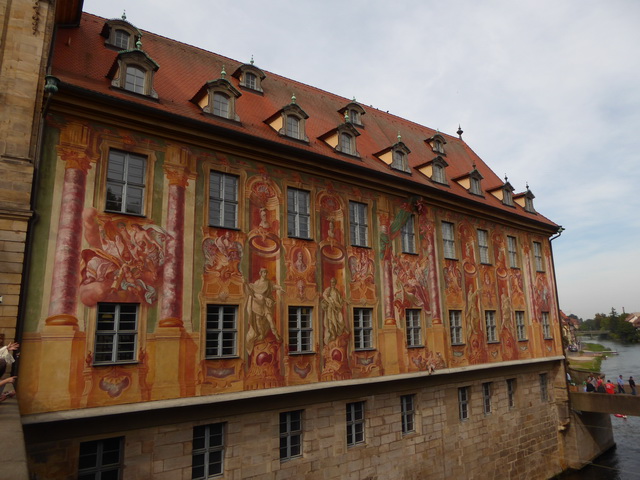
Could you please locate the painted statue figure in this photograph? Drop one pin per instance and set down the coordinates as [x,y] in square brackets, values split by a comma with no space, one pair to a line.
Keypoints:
[260,303]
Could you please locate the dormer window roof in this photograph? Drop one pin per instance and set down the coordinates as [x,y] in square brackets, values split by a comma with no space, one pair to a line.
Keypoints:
[290,121]
[525,200]
[343,138]
[437,143]
[396,156]
[354,112]
[250,77]
[218,98]
[133,71]
[120,34]
[435,170]
[504,193]
[472,182]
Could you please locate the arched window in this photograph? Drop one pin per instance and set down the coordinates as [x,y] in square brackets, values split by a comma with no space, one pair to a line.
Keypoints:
[354,116]
[293,126]
[121,39]
[438,173]
[250,81]
[400,161]
[220,105]
[135,79]
[346,143]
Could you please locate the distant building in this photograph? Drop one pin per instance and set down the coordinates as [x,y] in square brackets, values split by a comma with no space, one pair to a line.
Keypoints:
[237,274]
[569,326]
[634,319]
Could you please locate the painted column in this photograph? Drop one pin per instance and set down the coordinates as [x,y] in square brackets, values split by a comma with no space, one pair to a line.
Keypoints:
[171,306]
[74,140]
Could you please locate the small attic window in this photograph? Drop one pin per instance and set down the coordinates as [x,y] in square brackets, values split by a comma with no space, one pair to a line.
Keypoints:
[347,144]
[121,39]
[354,112]
[290,121]
[133,70]
[474,186]
[437,143]
[293,126]
[120,34]
[507,197]
[400,161]
[218,98]
[250,77]
[396,156]
[438,174]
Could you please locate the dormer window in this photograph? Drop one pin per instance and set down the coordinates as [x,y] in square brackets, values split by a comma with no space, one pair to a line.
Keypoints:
[437,143]
[504,193]
[221,104]
[397,156]
[290,121]
[135,79]
[347,143]
[218,98]
[121,39]
[354,112]
[293,126]
[435,170]
[507,197]
[474,186]
[250,77]
[120,34]
[525,200]
[133,71]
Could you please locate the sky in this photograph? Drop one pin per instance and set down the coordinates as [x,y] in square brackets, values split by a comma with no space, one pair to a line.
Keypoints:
[547,93]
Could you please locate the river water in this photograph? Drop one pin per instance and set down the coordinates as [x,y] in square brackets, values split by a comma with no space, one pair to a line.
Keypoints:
[622,462]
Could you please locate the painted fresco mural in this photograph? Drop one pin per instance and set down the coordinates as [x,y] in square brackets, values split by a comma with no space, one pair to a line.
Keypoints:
[173,266]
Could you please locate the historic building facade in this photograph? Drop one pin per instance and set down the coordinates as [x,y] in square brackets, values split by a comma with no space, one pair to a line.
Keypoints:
[237,274]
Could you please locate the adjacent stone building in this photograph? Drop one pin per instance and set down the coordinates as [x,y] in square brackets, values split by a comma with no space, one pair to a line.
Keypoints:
[235,274]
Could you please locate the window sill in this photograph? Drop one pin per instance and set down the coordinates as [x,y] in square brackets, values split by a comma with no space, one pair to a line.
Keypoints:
[111,364]
[415,346]
[226,357]
[301,353]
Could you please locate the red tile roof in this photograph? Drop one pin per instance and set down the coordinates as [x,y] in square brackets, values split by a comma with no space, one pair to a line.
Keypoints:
[81,59]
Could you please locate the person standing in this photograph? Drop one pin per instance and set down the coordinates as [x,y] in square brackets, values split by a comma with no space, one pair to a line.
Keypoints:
[621,384]
[632,385]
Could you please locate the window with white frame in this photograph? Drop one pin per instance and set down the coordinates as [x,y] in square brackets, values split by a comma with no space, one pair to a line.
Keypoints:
[408,235]
[208,451]
[438,174]
[363,328]
[298,213]
[126,176]
[408,413]
[490,322]
[511,392]
[483,246]
[347,143]
[463,403]
[521,328]
[475,187]
[293,127]
[400,161]
[221,331]
[355,423]
[544,387]
[486,398]
[512,250]
[300,330]
[546,326]
[414,328]
[448,240]
[455,326]
[221,105]
[101,459]
[135,78]
[290,435]
[116,333]
[223,200]
[358,224]
[537,255]
[121,39]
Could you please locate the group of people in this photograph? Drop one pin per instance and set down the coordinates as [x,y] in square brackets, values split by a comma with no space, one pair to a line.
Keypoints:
[597,384]
[6,360]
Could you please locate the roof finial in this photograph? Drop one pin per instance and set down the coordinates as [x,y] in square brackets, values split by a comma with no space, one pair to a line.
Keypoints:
[124,14]
[139,44]
[527,184]
[506,179]
[251,59]
[293,99]
[399,137]
[223,73]
[354,99]
[460,132]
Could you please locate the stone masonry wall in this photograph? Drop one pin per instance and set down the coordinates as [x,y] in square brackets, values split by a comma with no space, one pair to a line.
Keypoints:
[517,443]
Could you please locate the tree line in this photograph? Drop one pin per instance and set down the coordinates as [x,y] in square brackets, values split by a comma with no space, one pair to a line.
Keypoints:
[616,324]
